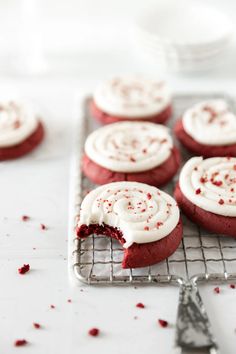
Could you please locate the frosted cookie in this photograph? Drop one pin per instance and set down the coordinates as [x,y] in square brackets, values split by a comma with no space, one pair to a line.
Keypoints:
[208,129]
[145,220]
[131,98]
[131,151]
[20,130]
[207,193]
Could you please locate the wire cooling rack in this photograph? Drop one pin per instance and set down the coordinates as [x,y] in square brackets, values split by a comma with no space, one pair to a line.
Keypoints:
[201,256]
[97,259]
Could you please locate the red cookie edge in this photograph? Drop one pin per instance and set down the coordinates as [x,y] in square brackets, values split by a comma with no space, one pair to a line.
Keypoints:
[201,149]
[26,146]
[157,176]
[105,118]
[220,224]
[139,254]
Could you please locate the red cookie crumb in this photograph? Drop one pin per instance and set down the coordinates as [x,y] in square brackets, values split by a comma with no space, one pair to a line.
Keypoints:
[25,218]
[20,342]
[69,300]
[149,196]
[232,286]
[140,305]
[36,325]
[162,323]
[43,227]
[221,201]
[198,191]
[24,269]
[93,332]
[52,306]
[217,290]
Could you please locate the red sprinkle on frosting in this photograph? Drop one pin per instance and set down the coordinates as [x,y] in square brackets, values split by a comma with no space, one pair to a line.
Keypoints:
[198,191]
[24,269]
[94,332]
[162,323]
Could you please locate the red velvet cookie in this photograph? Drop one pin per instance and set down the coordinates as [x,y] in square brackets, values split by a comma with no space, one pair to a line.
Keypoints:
[20,130]
[207,193]
[202,149]
[15,151]
[131,98]
[131,151]
[143,219]
[208,129]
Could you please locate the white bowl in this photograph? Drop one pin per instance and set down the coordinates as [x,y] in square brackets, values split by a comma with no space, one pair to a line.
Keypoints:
[185,32]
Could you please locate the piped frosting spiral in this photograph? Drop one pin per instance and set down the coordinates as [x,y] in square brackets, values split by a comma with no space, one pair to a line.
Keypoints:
[211,123]
[133,97]
[210,184]
[143,213]
[129,146]
[17,123]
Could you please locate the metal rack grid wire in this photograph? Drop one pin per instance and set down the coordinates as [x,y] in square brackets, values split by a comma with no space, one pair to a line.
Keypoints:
[200,256]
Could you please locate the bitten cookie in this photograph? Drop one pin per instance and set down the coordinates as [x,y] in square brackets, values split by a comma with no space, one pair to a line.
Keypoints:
[130,151]
[131,98]
[207,193]
[145,220]
[20,130]
[208,129]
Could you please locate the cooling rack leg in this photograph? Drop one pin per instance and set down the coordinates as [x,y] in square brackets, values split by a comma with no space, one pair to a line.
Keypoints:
[193,327]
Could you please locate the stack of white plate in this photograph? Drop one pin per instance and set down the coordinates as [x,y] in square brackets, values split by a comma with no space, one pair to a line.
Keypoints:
[183,35]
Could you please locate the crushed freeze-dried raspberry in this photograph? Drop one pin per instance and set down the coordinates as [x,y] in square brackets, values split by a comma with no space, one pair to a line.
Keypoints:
[149,196]
[217,290]
[162,323]
[198,191]
[203,179]
[25,218]
[140,305]
[24,269]
[43,227]
[36,325]
[217,183]
[20,342]
[93,332]
[146,228]
[159,223]
[232,286]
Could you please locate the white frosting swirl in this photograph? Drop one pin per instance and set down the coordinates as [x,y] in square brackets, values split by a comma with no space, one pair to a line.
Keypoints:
[211,123]
[210,184]
[17,123]
[132,97]
[129,146]
[142,213]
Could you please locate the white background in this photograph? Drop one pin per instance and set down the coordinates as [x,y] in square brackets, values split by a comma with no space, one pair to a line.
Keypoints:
[37,185]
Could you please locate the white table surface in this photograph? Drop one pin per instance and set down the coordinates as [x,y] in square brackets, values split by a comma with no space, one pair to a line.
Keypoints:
[37,185]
